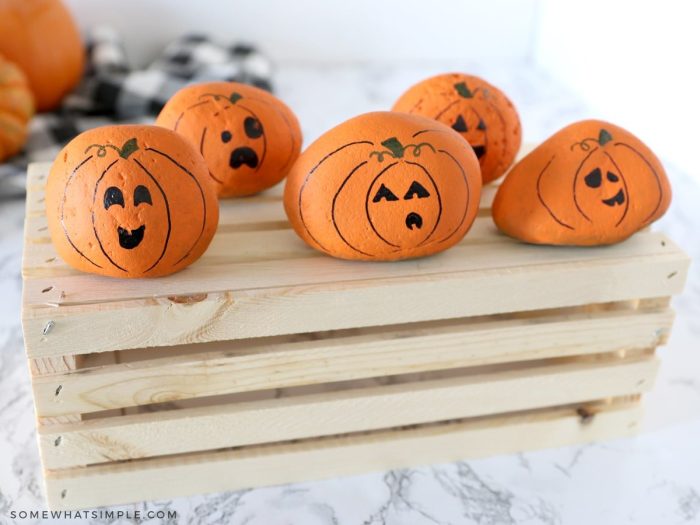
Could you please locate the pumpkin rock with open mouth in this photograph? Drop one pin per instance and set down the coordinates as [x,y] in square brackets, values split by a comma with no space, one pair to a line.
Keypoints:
[477,110]
[384,186]
[590,183]
[130,201]
[248,137]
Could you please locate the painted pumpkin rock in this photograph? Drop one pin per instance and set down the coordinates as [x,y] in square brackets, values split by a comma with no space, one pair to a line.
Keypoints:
[384,186]
[590,183]
[130,201]
[16,109]
[248,138]
[477,110]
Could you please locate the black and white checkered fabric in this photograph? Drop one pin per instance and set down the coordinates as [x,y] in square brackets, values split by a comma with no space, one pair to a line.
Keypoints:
[113,92]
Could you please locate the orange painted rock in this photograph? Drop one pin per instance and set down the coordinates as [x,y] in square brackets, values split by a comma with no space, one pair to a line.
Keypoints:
[384,186]
[590,183]
[41,37]
[248,137]
[130,201]
[16,109]
[478,111]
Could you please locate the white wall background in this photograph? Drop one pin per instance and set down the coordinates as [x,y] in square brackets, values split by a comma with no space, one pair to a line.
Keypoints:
[633,62]
[328,30]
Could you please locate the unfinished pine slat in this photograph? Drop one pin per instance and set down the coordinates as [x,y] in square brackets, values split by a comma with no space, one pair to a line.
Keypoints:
[275,311]
[229,368]
[340,412]
[320,458]
[88,288]
[227,248]
[52,365]
[55,365]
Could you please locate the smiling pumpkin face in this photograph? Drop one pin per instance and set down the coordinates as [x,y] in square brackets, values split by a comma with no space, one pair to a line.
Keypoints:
[130,201]
[130,217]
[590,183]
[477,110]
[600,189]
[248,138]
[384,186]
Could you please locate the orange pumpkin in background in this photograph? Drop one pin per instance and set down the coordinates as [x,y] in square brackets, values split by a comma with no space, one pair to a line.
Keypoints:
[248,137]
[384,186]
[41,37]
[130,201]
[477,110]
[590,183]
[16,109]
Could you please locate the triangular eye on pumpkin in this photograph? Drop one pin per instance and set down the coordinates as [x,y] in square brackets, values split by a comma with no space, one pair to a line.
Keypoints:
[248,138]
[384,193]
[460,125]
[416,190]
[482,113]
[357,193]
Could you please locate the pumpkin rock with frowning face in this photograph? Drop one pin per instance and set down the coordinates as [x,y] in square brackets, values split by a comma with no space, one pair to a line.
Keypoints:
[590,183]
[477,110]
[130,201]
[248,138]
[384,186]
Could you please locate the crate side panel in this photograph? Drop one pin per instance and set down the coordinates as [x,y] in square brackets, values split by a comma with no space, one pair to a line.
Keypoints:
[293,363]
[314,459]
[313,308]
[341,412]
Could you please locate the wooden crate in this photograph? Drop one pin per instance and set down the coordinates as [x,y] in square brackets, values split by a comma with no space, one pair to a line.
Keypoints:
[267,362]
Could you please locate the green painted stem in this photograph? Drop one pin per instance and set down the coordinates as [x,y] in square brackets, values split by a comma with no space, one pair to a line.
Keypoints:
[604,137]
[463,90]
[393,145]
[127,149]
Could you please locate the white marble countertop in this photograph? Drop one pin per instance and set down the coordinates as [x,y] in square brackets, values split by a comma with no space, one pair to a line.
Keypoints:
[650,479]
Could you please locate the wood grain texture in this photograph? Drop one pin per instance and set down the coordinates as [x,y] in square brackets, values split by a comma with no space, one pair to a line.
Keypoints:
[342,411]
[335,456]
[263,281]
[224,368]
[267,362]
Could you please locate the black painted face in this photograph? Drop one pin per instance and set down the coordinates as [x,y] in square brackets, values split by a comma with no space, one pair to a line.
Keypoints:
[600,191]
[594,180]
[403,210]
[130,216]
[473,128]
[128,239]
[233,144]
[244,155]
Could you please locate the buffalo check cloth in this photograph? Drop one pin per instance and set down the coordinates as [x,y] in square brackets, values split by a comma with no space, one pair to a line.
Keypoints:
[112,92]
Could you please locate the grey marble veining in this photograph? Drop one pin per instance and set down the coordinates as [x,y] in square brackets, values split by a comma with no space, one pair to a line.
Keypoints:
[651,479]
